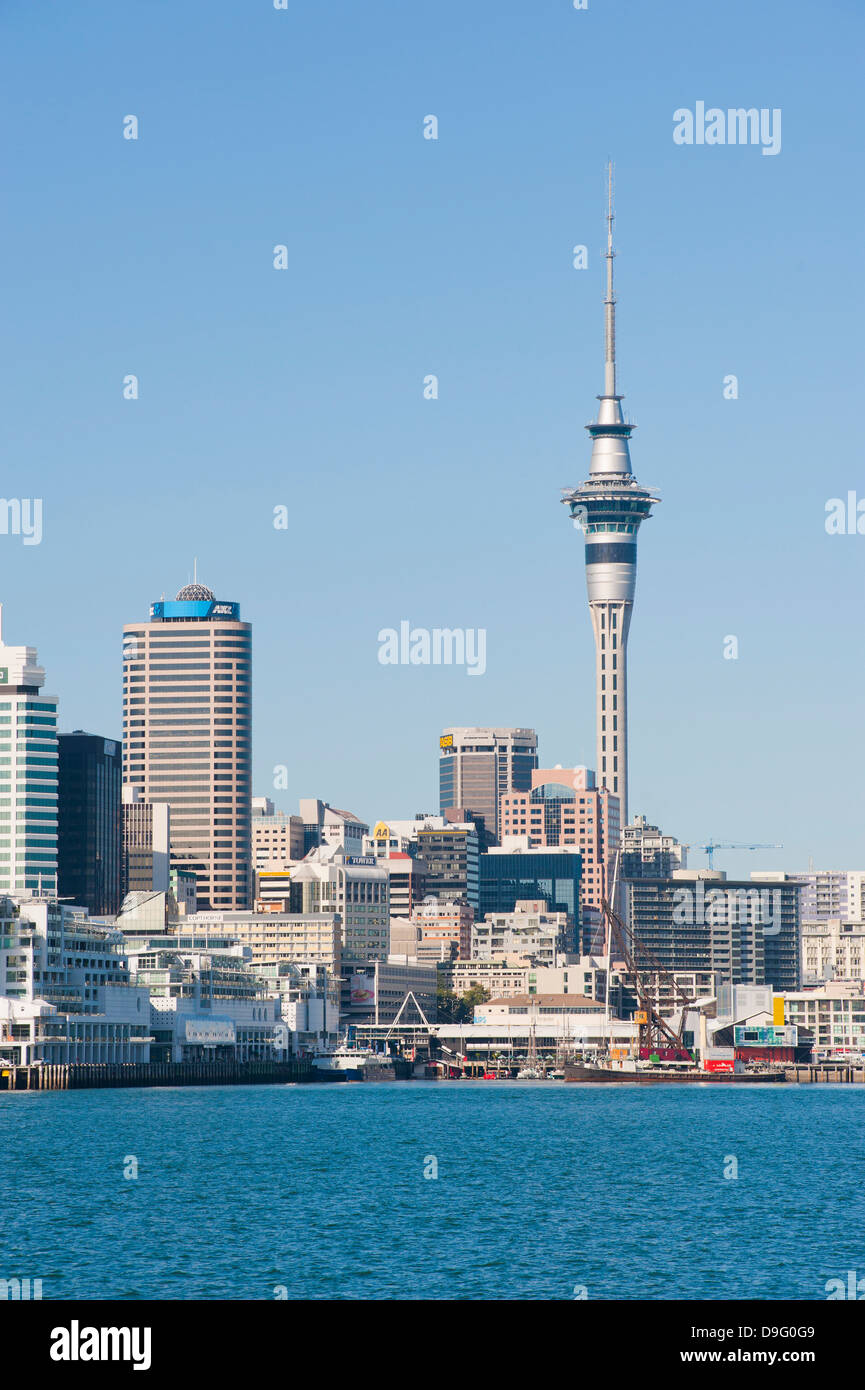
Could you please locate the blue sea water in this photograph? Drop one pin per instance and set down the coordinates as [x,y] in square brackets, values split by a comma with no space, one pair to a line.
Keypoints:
[543,1190]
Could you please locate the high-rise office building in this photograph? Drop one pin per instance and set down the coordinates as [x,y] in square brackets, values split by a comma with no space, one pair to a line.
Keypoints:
[146,832]
[28,775]
[609,508]
[551,876]
[477,767]
[564,807]
[187,733]
[89,828]
[449,860]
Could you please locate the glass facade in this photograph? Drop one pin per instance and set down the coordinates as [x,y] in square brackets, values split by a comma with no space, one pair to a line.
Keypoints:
[506,879]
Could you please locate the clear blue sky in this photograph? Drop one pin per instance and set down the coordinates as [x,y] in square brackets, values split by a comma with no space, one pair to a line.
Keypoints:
[408,257]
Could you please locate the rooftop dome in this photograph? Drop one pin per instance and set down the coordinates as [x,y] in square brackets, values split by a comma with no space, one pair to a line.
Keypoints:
[192,592]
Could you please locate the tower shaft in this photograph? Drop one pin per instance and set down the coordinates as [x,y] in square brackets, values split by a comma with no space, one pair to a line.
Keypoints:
[609,507]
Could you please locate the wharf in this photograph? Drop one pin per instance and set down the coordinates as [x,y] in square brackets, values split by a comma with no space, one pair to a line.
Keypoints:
[77,1076]
[821,1071]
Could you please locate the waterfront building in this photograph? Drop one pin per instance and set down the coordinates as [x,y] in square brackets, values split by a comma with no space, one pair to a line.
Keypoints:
[66,992]
[145,843]
[478,766]
[833,1015]
[609,508]
[354,886]
[375,991]
[537,1006]
[449,859]
[28,775]
[648,853]
[549,875]
[565,807]
[531,931]
[831,894]
[747,931]
[206,1000]
[325,826]
[832,949]
[89,831]
[187,729]
[308,1004]
[551,1037]
[277,838]
[446,928]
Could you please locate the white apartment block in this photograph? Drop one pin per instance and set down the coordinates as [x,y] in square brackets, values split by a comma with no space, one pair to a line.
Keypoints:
[832,949]
[530,932]
[834,1015]
[28,775]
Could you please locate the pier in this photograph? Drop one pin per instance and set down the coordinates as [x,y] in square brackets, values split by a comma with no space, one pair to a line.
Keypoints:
[79,1076]
[823,1071]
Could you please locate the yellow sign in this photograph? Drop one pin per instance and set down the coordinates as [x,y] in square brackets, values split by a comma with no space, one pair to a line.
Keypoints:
[641,1016]
[446,741]
[381,831]
[778,1010]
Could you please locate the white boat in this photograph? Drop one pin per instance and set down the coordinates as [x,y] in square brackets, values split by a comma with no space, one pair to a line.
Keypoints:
[530,1074]
[357,1063]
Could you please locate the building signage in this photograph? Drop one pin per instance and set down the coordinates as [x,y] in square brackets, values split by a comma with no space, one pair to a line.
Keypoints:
[210,1031]
[4,675]
[446,741]
[195,608]
[363,989]
[366,861]
[771,1036]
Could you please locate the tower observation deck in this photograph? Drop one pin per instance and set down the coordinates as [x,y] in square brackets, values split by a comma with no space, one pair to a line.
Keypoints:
[609,507]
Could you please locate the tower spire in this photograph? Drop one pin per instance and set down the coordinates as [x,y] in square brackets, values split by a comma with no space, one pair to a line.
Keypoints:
[610,302]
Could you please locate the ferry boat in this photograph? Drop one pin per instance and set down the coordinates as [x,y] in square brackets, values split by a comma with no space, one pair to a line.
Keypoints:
[356,1063]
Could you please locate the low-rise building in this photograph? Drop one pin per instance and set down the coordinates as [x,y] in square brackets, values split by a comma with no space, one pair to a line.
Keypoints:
[206,1001]
[497,977]
[375,991]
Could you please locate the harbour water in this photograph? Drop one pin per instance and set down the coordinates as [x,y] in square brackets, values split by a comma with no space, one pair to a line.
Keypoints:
[543,1191]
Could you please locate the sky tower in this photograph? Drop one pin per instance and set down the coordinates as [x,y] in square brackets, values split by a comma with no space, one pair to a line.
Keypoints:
[608,507]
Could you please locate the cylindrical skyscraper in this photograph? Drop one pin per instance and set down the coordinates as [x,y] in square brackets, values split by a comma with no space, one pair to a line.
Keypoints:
[187,731]
[608,507]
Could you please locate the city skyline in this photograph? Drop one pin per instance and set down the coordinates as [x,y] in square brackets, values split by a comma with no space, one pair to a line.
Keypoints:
[304,388]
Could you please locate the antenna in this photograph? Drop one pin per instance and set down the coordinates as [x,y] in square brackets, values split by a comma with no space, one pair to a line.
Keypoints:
[610,302]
